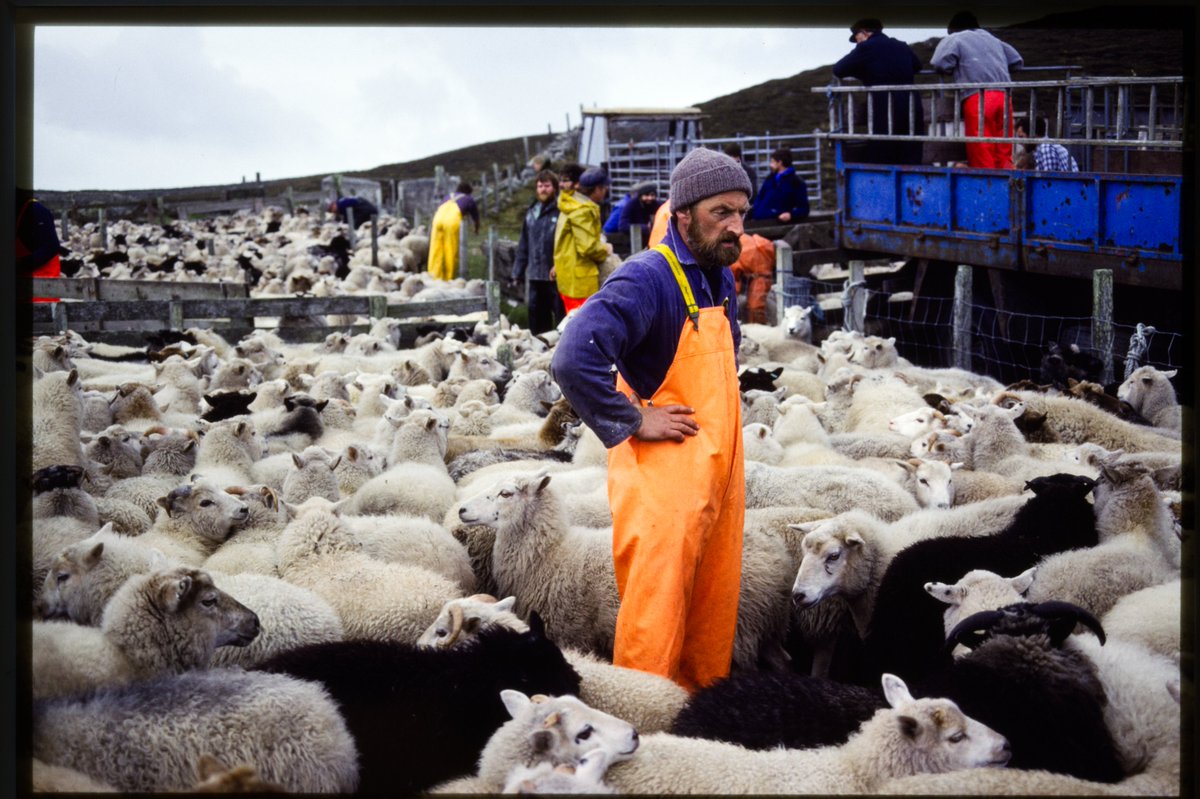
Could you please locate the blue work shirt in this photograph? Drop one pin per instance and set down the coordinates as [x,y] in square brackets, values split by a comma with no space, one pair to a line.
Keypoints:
[634,321]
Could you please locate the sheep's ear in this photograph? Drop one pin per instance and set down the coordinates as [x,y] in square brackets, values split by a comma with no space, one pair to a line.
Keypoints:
[775,373]
[854,540]
[320,406]
[910,465]
[38,374]
[1024,580]
[514,701]
[174,591]
[335,463]
[804,528]
[296,460]
[537,628]
[507,603]
[763,432]
[545,481]
[209,767]
[240,429]
[909,727]
[541,741]
[471,625]
[93,555]
[895,691]
[432,423]
[352,452]
[73,377]
[1169,373]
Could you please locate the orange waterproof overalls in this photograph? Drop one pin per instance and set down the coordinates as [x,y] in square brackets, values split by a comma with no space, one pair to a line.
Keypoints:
[678,510]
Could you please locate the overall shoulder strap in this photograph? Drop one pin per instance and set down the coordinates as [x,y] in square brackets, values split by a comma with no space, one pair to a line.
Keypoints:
[685,288]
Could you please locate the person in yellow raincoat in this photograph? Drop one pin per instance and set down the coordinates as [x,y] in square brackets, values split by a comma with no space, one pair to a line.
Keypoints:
[578,247]
[667,320]
[443,239]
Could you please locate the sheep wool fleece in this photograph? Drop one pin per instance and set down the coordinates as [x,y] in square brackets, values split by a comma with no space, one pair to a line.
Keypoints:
[443,240]
[678,510]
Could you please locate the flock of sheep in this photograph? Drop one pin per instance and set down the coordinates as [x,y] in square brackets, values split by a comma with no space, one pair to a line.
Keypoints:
[355,566]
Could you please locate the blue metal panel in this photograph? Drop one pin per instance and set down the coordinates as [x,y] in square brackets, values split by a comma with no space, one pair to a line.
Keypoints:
[1141,215]
[925,199]
[870,195]
[981,203]
[1061,208]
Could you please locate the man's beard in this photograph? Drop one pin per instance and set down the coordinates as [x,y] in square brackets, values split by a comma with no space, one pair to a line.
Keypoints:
[712,252]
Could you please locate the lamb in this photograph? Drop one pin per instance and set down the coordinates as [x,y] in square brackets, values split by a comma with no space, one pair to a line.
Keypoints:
[57,420]
[979,590]
[355,466]
[1076,422]
[428,710]
[375,600]
[911,736]
[149,736]
[233,374]
[788,341]
[1097,577]
[227,404]
[228,452]
[415,541]
[162,622]
[1165,468]
[1128,504]
[1149,392]
[57,492]
[905,631]
[524,398]
[118,451]
[586,776]
[930,482]
[195,519]
[252,549]
[134,407]
[85,575]
[314,476]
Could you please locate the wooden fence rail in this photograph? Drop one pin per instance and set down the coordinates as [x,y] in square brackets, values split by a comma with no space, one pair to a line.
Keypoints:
[158,306]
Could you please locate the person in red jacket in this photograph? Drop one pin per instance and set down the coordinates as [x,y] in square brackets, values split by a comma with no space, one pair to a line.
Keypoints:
[38,247]
[754,271]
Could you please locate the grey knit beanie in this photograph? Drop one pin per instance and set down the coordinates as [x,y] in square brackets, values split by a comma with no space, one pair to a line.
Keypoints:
[703,173]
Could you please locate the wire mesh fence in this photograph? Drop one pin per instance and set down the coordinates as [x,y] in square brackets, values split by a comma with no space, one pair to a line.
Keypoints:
[1005,345]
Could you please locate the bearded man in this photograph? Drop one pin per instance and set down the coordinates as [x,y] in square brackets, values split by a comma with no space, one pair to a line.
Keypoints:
[667,320]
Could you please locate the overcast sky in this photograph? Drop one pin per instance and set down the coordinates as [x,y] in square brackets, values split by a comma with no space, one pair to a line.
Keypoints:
[164,107]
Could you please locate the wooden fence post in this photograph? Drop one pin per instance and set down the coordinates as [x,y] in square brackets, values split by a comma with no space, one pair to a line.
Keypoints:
[374,240]
[162,212]
[496,196]
[493,300]
[854,311]
[103,231]
[635,239]
[491,268]
[379,303]
[783,269]
[1102,322]
[525,141]
[350,222]
[60,316]
[462,250]
[291,201]
[66,225]
[212,248]
[962,317]
[175,315]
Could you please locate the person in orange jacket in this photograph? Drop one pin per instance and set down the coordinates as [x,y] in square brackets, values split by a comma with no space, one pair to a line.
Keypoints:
[667,319]
[755,272]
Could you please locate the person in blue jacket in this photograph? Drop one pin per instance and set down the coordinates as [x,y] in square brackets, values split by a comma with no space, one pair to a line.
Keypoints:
[640,208]
[362,208]
[879,60]
[783,196]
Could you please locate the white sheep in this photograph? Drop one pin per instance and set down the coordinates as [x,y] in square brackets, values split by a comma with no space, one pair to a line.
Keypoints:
[835,488]
[193,521]
[150,735]
[377,600]
[1149,392]
[162,622]
[413,540]
[228,452]
[912,736]
[313,476]
[57,420]
[586,776]
[979,590]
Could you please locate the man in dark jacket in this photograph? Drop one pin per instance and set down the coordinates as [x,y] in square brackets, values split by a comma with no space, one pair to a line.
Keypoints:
[362,208]
[535,255]
[783,196]
[879,60]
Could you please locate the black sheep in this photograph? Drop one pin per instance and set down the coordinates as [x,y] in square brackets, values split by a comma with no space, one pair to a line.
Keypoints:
[906,628]
[227,404]
[422,716]
[756,377]
[764,710]
[1046,700]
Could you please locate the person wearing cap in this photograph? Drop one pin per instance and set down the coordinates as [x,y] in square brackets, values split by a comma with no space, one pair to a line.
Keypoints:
[783,196]
[447,222]
[667,321]
[879,60]
[972,55]
[579,248]
[639,210]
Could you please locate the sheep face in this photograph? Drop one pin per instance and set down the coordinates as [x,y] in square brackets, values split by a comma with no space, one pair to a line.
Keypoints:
[797,322]
[1145,382]
[917,423]
[478,366]
[827,566]
[977,591]
[462,620]
[563,729]
[212,515]
[117,449]
[938,736]
[506,504]
[933,482]
[874,352]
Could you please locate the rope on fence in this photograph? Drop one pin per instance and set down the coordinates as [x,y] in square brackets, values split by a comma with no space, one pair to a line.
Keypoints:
[849,295]
[1139,346]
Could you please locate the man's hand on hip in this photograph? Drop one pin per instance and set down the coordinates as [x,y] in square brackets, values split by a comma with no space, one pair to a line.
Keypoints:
[668,423]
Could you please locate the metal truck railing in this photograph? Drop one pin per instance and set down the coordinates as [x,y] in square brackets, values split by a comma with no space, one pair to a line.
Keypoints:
[631,163]
[1095,115]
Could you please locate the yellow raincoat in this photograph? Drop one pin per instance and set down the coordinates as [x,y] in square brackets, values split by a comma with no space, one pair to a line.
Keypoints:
[578,249]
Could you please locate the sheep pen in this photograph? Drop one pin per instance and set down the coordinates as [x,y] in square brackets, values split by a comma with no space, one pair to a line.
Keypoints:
[321,484]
